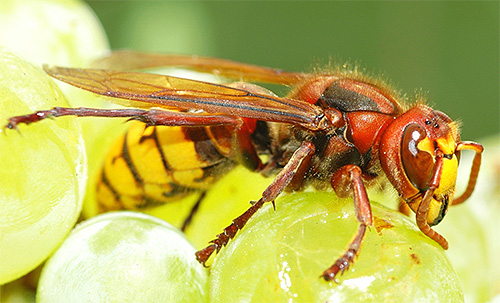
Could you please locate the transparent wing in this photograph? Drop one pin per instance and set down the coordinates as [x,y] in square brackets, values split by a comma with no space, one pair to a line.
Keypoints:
[145,90]
[129,60]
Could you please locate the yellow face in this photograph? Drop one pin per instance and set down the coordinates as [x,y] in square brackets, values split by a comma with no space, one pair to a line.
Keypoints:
[426,149]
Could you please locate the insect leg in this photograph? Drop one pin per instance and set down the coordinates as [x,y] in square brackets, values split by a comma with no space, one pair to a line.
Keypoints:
[305,151]
[150,117]
[193,211]
[421,215]
[363,215]
[476,163]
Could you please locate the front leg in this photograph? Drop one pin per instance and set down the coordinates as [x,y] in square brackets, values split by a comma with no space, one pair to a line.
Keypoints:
[294,165]
[349,176]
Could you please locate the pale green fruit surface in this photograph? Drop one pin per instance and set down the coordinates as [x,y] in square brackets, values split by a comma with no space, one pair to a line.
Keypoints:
[280,255]
[123,257]
[226,200]
[42,170]
[472,228]
[62,32]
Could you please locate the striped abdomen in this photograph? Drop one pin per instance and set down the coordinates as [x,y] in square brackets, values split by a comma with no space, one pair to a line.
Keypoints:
[148,166]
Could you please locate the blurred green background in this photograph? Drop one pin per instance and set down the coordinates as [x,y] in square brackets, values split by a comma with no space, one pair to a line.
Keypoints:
[450,49]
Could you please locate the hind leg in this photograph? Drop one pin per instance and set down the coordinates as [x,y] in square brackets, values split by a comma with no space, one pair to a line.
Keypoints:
[300,156]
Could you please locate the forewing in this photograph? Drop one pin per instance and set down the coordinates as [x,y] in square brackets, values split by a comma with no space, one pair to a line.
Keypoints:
[146,90]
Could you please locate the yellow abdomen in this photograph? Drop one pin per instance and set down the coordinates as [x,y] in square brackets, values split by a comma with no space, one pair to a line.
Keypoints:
[149,166]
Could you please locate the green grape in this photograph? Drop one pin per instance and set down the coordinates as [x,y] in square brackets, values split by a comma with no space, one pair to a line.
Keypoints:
[280,255]
[472,227]
[62,32]
[226,200]
[65,33]
[123,256]
[42,171]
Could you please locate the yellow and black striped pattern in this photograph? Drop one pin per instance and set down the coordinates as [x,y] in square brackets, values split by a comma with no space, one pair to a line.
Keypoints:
[149,166]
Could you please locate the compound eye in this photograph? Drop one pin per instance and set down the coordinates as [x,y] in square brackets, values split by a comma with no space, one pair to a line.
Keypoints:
[418,164]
